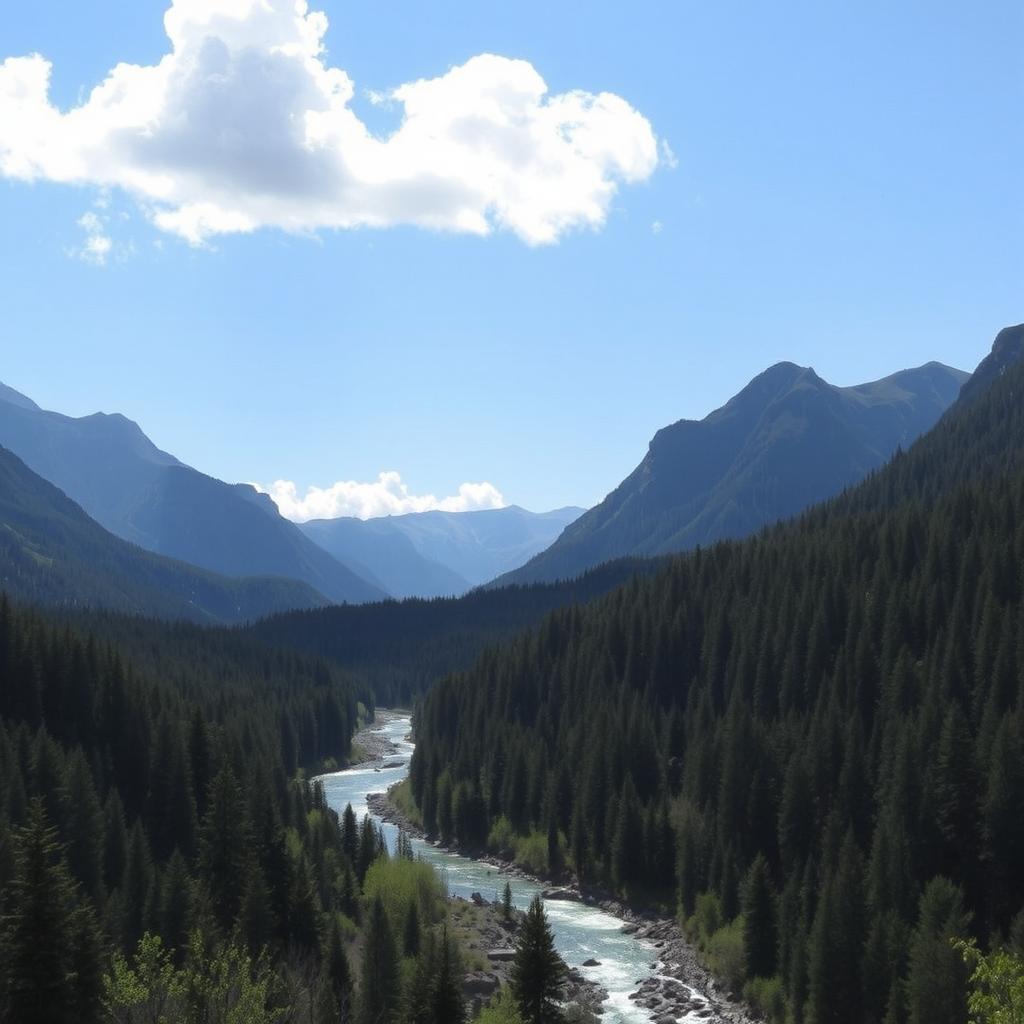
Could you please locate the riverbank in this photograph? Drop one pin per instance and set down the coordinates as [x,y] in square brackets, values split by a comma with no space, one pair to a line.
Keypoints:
[370,747]
[485,934]
[679,987]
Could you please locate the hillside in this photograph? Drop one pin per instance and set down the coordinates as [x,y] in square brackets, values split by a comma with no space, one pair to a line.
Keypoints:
[52,553]
[813,739]
[121,479]
[787,440]
[398,649]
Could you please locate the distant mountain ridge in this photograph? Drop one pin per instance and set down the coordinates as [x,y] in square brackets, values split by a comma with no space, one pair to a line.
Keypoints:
[52,553]
[440,554]
[788,440]
[146,496]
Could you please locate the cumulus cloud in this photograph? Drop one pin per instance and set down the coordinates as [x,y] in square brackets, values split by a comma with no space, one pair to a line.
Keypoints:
[243,125]
[385,496]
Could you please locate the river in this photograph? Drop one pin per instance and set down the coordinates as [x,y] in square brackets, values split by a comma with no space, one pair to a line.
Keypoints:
[581,932]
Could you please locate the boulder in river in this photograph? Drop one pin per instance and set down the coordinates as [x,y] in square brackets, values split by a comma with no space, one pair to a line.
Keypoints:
[560,893]
[591,963]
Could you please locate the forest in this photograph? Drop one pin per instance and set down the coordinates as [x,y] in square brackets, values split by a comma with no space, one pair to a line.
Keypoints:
[163,856]
[811,743]
[396,649]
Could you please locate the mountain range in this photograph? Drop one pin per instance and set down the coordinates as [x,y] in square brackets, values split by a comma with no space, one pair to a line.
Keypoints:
[52,553]
[787,440]
[107,465]
[146,496]
[439,554]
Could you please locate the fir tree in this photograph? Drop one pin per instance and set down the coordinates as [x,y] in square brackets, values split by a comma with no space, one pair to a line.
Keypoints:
[537,971]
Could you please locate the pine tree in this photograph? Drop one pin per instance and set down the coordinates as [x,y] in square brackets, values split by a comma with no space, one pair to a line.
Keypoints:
[50,961]
[448,1005]
[338,972]
[506,902]
[936,987]
[379,984]
[759,921]
[224,846]
[537,971]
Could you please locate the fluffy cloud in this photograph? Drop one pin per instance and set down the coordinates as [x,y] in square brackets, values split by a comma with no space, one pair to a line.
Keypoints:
[386,496]
[243,125]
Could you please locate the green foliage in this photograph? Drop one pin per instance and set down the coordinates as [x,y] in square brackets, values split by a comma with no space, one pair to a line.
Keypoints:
[538,972]
[760,937]
[380,989]
[531,853]
[401,883]
[838,699]
[50,963]
[936,984]
[503,1009]
[502,838]
[219,986]
[725,955]
[996,985]
[766,997]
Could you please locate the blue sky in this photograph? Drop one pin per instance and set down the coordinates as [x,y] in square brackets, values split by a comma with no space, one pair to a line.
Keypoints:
[846,193]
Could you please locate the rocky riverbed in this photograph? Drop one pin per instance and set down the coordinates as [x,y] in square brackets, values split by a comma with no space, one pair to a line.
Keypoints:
[679,988]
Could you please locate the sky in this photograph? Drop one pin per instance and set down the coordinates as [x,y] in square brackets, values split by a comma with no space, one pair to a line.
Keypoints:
[460,254]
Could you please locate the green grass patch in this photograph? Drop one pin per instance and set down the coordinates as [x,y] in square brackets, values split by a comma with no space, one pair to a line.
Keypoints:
[401,796]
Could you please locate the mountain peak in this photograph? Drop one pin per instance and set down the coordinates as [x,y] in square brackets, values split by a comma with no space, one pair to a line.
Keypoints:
[1007,350]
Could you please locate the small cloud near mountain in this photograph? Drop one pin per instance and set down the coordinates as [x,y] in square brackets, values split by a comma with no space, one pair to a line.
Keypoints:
[385,496]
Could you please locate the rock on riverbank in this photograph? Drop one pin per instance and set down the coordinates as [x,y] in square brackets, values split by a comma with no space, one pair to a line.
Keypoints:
[680,987]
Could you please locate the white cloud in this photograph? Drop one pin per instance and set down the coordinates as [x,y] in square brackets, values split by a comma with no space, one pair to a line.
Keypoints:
[242,125]
[98,244]
[385,496]
[657,227]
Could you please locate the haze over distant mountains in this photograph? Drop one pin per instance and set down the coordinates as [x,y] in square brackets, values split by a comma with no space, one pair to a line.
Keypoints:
[786,441]
[141,494]
[52,553]
[144,495]
[439,554]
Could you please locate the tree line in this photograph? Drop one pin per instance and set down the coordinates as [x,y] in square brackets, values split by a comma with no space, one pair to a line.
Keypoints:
[811,743]
[162,855]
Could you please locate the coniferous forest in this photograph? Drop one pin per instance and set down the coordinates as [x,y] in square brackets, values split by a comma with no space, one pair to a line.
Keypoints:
[497,521]
[810,743]
[162,857]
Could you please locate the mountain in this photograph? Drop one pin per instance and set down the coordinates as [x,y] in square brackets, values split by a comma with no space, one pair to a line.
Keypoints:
[437,554]
[144,495]
[810,742]
[786,441]
[52,553]
[379,551]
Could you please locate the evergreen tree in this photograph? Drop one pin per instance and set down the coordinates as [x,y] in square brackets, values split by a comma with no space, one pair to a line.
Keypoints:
[50,962]
[538,972]
[338,973]
[759,921]
[936,988]
[448,1005]
[224,846]
[379,984]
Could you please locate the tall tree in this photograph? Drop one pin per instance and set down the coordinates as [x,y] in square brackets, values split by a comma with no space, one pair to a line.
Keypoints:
[50,962]
[538,972]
